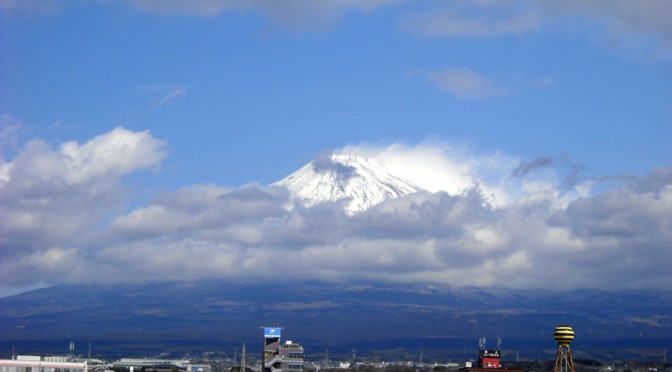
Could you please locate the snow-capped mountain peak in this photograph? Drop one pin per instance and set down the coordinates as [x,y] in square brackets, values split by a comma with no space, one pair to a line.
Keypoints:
[335,177]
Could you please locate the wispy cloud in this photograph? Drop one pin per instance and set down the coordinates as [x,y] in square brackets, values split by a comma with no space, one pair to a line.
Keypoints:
[465,83]
[14,7]
[638,26]
[526,167]
[460,19]
[10,129]
[207,7]
[293,14]
[162,94]
[172,93]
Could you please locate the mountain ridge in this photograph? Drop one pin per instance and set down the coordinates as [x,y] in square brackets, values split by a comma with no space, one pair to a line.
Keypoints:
[320,313]
[357,182]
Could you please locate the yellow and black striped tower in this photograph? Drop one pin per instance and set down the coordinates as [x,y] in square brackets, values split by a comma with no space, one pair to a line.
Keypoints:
[563,335]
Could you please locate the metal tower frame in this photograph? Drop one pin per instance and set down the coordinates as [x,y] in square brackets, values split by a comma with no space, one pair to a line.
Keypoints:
[563,360]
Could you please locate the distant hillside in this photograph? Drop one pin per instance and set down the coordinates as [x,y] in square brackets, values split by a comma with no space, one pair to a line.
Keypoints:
[216,313]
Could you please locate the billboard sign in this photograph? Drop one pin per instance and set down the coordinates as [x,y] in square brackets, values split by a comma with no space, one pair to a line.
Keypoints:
[271,332]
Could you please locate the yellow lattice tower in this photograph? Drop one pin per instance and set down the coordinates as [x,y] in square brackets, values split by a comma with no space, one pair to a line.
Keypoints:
[563,335]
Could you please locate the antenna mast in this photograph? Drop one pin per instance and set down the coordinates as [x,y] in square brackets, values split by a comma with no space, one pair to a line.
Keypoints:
[242,361]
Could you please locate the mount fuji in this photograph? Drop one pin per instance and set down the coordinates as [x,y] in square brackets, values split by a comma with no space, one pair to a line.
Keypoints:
[356,181]
[182,315]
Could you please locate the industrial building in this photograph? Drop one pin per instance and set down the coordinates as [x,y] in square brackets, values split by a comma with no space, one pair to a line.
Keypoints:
[28,363]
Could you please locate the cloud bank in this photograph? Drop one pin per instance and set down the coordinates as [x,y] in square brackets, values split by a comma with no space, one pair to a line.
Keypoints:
[622,23]
[487,220]
[642,26]
[295,14]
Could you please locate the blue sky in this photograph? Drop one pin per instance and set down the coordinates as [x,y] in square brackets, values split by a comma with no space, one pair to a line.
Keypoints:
[230,93]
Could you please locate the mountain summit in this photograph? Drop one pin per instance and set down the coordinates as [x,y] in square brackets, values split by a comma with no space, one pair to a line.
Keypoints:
[339,177]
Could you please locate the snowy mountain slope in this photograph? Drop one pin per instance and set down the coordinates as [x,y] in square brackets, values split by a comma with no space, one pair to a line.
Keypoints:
[335,177]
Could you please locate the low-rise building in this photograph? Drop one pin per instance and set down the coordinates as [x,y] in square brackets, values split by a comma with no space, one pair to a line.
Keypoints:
[277,357]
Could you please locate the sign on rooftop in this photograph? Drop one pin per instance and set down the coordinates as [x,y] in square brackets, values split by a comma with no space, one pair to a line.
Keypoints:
[272,332]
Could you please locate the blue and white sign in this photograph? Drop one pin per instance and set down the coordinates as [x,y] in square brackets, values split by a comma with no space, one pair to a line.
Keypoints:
[271,332]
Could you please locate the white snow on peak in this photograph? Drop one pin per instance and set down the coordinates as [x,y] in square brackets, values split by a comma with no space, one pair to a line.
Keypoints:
[335,177]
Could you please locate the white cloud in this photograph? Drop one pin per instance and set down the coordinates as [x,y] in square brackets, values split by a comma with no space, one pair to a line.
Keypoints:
[63,227]
[420,164]
[107,157]
[442,166]
[52,198]
[114,154]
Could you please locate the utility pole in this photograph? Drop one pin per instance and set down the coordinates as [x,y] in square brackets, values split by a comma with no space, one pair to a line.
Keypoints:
[664,355]
[242,361]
